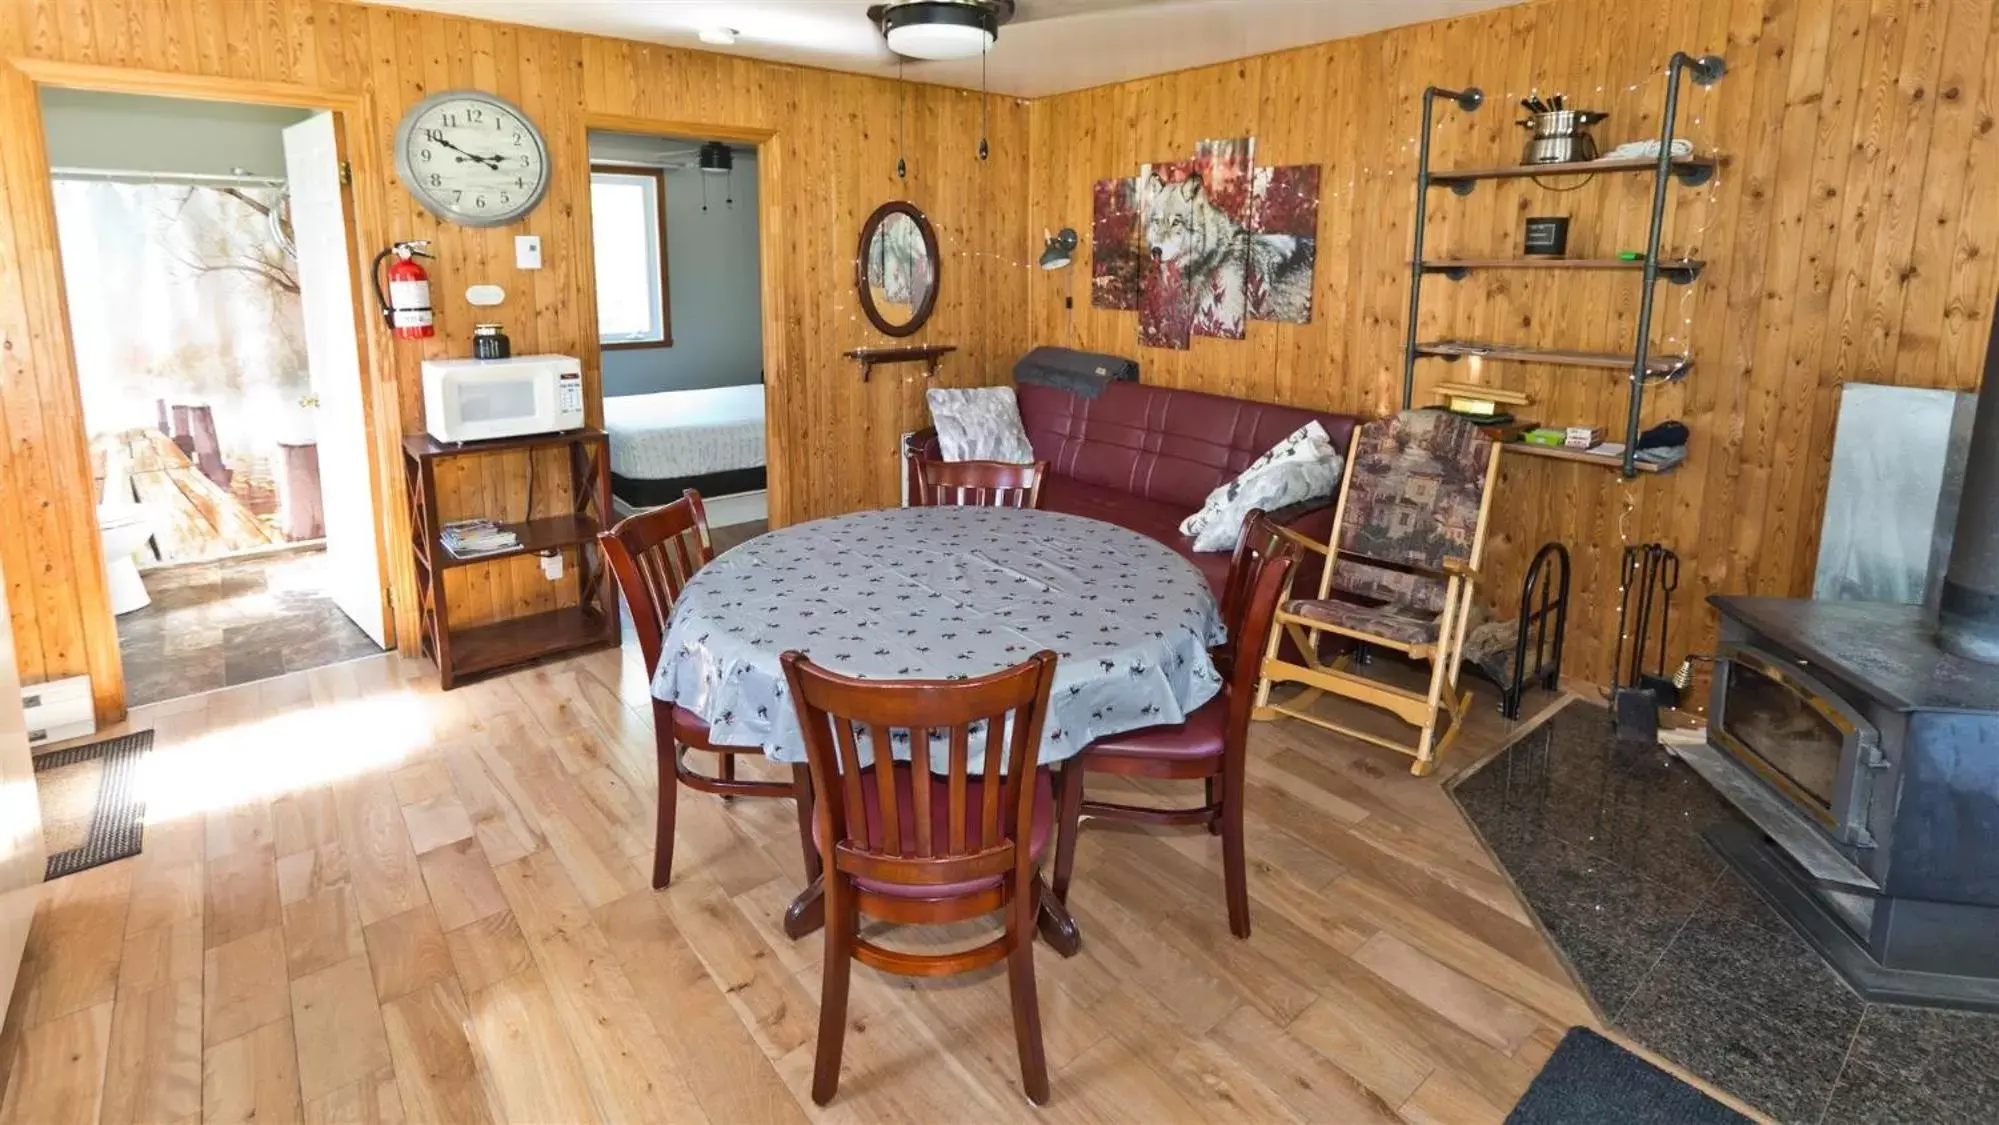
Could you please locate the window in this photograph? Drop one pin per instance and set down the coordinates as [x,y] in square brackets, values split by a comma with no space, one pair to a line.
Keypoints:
[628,221]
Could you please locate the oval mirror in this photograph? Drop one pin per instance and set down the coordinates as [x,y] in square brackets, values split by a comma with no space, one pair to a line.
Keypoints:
[896,272]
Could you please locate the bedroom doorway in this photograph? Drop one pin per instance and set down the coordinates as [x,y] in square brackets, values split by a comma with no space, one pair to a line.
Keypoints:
[680,321]
[204,251]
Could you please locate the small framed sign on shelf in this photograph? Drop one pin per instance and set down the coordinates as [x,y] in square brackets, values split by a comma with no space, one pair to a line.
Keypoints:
[1547,236]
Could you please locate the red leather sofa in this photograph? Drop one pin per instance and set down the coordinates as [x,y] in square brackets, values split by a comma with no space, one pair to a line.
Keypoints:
[1146,458]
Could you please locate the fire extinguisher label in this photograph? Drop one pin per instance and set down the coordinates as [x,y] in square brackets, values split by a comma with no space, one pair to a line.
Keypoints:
[405,296]
[410,318]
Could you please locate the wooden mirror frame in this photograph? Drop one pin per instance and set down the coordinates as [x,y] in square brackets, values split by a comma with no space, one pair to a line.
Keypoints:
[922,313]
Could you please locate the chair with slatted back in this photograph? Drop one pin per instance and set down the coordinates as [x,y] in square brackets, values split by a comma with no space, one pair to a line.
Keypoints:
[1400,566]
[1212,746]
[654,554]
[986,484]
[957,836]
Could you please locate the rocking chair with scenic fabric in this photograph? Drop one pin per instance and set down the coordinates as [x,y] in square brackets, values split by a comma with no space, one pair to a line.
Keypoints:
[1400,566]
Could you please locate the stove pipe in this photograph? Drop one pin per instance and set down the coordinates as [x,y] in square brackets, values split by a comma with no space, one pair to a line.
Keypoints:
[1968,618]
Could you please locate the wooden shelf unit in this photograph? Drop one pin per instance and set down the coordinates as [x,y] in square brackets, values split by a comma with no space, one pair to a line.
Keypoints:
[1656,366]
[466,652]
[1689,170]
[1558,453]
[1679,271]
[1643,369]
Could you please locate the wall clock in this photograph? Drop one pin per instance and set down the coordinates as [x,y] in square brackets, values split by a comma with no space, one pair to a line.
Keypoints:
[472,158]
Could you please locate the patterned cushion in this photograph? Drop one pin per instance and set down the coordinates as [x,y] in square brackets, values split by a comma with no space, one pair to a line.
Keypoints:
[1393,622]
[979,424]
[1418,481]
[1304,466]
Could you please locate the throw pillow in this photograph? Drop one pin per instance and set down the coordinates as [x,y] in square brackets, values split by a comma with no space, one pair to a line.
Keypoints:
[979,424]
[1304,466]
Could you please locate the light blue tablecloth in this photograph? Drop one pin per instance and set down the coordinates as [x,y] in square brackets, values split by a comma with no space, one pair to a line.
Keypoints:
[932,593]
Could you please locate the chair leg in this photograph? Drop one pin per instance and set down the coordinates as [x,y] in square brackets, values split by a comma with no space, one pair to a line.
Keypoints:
[1213,784]
[840,923]
[1235,867]
[725,769]
[1068,815]
[669,801]
[801,788]
[1026,1004]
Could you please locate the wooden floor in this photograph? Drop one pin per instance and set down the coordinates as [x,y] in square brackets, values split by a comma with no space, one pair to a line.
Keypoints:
[365,900]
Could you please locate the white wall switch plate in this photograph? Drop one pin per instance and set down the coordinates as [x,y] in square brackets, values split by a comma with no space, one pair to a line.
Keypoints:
[527,251]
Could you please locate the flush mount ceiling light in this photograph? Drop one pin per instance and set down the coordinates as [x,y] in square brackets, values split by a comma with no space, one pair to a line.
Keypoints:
[941,29]
[716,159]
[719,36]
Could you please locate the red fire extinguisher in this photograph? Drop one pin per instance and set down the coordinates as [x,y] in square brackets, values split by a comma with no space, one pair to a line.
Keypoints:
[406,307]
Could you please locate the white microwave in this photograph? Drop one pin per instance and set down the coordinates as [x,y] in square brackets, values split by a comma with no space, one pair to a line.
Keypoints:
[483,399]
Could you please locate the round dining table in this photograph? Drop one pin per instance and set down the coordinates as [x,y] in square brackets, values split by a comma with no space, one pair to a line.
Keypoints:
[944,593]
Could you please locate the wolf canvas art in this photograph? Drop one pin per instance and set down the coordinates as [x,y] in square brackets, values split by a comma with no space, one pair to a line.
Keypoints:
[1198,247]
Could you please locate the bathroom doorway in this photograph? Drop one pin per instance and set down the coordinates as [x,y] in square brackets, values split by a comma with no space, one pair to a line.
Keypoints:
[207,299]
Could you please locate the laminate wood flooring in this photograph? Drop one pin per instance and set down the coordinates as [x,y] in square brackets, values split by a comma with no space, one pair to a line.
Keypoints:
[363,899]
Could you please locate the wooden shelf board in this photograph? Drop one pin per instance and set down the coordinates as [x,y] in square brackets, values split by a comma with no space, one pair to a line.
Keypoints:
[1558,357]
[489,648]
[422,446]
[1682,164]
[1666,265]
[536,535]
[1558,453]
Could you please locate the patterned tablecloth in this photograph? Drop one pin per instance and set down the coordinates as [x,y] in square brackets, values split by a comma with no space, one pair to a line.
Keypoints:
[933,593]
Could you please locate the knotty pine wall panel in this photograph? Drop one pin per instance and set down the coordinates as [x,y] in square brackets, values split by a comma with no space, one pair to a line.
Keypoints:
[1852,234]
[829,161]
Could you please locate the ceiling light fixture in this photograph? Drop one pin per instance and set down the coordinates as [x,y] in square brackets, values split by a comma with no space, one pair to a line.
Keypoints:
[942,29]
[719,36]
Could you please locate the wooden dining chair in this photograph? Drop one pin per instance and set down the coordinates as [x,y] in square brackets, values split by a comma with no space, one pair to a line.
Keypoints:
[953,838]
[1211,746]
[984,484]
[1260,536]
[654,554]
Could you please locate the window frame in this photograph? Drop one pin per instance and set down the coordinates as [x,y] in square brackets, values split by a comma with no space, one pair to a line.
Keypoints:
[658,176]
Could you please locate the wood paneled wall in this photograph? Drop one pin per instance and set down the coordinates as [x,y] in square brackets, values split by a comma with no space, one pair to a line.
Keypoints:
[1852,236]
[830,143]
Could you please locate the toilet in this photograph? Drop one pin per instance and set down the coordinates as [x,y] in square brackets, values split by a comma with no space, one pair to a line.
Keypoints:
[124,529]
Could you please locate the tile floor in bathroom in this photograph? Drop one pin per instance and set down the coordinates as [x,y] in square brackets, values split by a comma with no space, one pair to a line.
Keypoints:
[231,621]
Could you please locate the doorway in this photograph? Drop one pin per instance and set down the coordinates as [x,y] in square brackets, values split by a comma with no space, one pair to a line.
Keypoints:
[204,247]
[677,251]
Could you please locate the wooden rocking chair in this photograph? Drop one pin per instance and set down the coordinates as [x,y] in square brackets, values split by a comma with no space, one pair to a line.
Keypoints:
[1404,555]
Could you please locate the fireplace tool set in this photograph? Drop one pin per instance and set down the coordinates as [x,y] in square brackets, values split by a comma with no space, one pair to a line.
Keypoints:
[1651,573]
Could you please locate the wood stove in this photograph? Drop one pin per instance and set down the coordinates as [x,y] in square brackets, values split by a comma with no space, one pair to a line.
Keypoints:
[1862,740]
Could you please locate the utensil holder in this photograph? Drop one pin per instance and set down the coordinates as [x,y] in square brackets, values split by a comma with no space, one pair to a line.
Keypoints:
[1560,136]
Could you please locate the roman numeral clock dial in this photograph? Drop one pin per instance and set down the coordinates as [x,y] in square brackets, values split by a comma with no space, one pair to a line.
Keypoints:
[472,158]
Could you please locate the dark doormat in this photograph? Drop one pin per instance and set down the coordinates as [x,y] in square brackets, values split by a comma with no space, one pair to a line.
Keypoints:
[1589,1080]
[92,810]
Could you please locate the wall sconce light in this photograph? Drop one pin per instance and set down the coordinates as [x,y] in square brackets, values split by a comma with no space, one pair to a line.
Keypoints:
[1061,249]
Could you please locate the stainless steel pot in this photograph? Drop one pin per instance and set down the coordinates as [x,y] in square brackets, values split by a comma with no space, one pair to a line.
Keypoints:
[1561,136]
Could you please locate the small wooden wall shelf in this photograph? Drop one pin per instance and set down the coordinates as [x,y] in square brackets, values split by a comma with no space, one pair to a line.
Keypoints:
[464,653]
[926,354]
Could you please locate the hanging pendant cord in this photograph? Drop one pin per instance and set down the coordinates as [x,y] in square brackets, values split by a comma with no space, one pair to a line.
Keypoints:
[982,100]
[901,121]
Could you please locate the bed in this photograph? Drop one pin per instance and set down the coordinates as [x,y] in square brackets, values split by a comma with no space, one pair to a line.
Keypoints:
[710,440]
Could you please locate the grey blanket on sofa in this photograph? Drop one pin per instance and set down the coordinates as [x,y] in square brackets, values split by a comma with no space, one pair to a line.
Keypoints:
[1083,374]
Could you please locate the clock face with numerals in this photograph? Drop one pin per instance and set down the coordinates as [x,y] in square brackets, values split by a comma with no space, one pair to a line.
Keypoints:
[473,158]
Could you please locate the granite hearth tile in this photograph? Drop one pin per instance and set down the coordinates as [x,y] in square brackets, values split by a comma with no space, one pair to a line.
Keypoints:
[1786,1070]
[1564,881]
[1779,974]
[1868,1096]
[1953,1057]
[1609,965]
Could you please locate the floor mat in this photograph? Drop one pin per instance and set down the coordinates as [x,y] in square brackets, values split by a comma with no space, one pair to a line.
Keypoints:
[1589,1080]
[92,809]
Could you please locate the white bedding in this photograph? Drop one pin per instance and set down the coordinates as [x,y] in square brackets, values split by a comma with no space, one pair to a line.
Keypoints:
[676,434]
